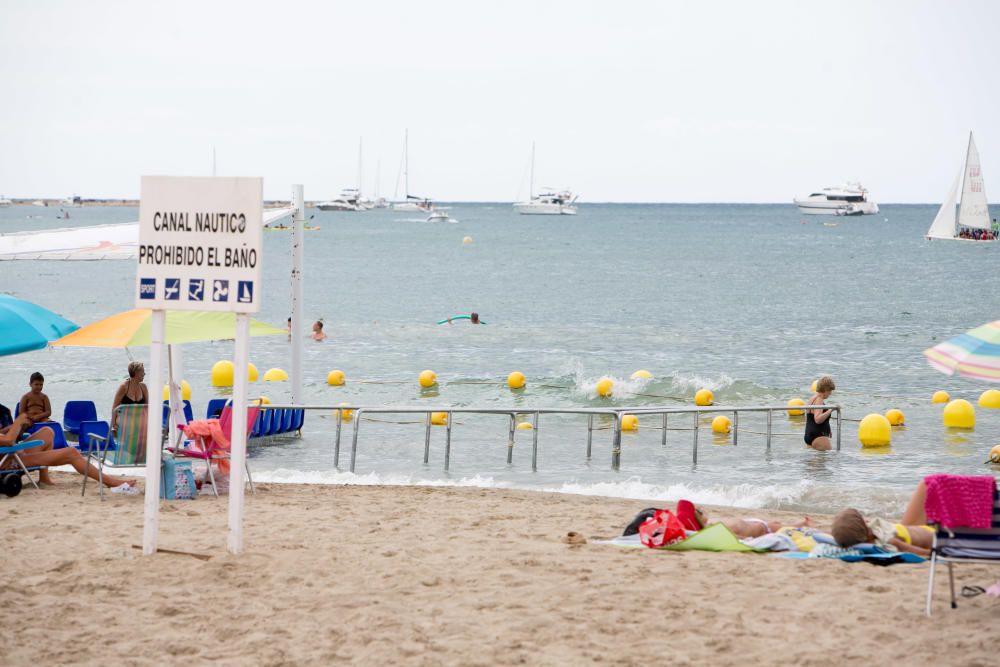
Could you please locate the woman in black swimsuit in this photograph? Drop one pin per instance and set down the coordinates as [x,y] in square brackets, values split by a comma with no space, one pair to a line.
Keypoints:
[818,421]
[131,392]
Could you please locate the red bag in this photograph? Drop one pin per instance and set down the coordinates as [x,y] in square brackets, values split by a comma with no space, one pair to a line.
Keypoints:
[662,529]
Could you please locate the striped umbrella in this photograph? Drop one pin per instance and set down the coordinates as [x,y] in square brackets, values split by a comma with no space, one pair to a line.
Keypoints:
[974,354]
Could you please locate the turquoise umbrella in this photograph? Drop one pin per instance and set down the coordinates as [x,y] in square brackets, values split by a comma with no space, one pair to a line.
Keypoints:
[25,326]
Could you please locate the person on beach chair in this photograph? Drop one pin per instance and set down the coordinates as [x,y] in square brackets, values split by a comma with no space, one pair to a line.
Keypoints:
[44,456]
[935,497]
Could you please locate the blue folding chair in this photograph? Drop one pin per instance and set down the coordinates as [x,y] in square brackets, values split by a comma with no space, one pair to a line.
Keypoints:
[215,407]
[10,480]
[188,412]
[76,412]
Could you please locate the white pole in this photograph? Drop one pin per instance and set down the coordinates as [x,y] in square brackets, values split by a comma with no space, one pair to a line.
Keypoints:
[151,523]
[298,232]
[238,440]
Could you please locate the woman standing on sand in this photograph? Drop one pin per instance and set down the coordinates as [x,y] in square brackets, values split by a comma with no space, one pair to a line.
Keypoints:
[818,421]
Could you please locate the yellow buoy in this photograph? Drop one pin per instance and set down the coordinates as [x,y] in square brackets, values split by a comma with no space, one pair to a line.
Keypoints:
[940,397]
[796,402]
[185,391]
[346,415]
[222,373]
[721,424]
[275,375]
[467,240]
[895,417]
[959,414]
[875,431]
[428,378]
[990,399]
[439,418]
[704,397]
[995,454]
[812,387]
[516,380]
[605,386]
[525,426]
[630,423]
[252,373]
[264,400]
[641,374]
[335,378]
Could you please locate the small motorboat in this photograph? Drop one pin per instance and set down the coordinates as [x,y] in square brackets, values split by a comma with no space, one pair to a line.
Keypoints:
[439,216]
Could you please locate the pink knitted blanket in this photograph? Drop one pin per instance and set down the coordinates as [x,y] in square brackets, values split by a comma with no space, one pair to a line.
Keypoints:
[960,500]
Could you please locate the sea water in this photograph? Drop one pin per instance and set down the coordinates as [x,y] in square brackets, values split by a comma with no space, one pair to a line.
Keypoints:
[751,301]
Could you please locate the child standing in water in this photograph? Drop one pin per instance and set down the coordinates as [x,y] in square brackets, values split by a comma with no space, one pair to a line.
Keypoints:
[818,431]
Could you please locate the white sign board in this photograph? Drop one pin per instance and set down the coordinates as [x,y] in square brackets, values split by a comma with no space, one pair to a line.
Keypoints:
[199,243]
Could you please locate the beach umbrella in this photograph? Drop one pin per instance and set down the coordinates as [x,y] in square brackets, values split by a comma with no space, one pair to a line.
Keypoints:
[132,329]
[974,354]
[25,326]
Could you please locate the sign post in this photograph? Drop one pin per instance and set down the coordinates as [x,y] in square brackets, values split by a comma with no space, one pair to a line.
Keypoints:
[199,249]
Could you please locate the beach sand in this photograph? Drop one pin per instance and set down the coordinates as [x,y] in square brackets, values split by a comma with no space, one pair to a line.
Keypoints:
[430,576]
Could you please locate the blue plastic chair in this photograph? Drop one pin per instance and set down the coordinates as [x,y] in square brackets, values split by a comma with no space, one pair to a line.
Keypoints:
[188,412]
[215,407]
[95,436]
[58,437]
[13,452]
[76,412]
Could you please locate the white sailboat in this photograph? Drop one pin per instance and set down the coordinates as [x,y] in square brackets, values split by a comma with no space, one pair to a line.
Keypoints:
[349,199]
[553,201]
[410,202]
[972,223]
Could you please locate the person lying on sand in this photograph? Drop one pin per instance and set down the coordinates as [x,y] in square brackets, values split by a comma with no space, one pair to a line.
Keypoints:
[44,456]
[911,533]
[694,519]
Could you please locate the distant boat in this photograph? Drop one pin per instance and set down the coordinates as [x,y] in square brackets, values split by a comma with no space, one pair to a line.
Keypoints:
[410,202]
[71,202]
[973,220]
[439,215]
[5,203]
[848,199]
[349,199]
[39,202]
[552,202]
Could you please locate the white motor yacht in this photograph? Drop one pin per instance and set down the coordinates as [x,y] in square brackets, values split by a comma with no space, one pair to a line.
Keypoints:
[848,199]
[349,199]
[556,202]
[552,202]
[71,202]
[5,203]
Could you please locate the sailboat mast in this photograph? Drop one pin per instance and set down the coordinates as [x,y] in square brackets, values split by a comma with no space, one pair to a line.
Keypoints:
[378,176]
[406,162]
[361,144]
[531,177]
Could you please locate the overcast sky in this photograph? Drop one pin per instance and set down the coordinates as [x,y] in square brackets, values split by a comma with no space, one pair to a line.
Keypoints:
[628,101]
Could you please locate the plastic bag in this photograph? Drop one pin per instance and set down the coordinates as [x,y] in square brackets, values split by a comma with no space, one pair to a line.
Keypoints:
[662,529]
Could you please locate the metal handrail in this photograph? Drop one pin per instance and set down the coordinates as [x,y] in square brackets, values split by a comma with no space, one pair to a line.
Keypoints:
[617,413]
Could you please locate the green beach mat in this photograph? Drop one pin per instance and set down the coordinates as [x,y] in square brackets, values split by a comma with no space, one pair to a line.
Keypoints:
[714,538]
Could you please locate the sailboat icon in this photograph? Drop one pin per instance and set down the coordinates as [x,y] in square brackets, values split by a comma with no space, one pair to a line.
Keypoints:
[245,291]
